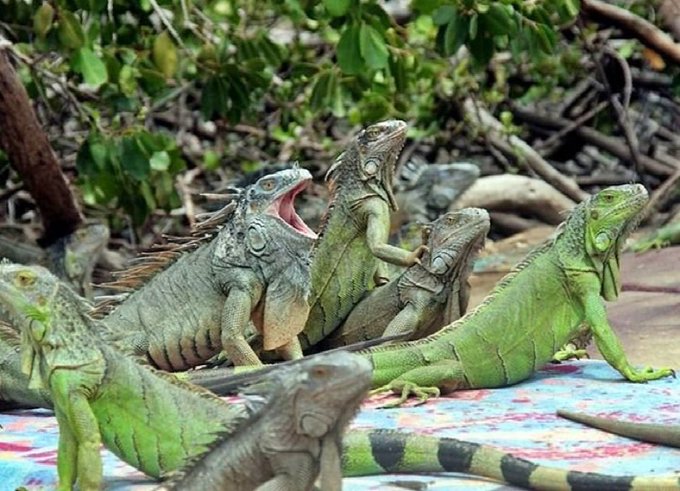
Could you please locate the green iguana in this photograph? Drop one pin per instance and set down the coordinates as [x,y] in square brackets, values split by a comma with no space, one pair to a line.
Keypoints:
[140,413]
[664,236]
[295,437]
[255,266]
[353,238]
[531,313]
[647,432]
[426,296]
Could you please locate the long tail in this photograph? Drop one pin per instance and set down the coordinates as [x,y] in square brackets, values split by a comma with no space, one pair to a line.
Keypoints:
[654,433]
[368,453]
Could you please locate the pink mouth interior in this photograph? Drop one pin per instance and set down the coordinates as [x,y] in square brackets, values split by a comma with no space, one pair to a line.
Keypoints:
[284,208]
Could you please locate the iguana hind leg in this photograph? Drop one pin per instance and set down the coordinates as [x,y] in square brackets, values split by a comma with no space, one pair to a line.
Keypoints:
[425,382]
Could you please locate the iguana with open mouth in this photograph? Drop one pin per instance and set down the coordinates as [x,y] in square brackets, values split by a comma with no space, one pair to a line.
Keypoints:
[353,239]
[531,313]
[140,414]
[426,296]
[249,261]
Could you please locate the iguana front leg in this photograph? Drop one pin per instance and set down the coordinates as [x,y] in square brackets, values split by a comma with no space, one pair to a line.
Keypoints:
[292,471]
[79,438]
[606,340]
[236,315]
[377,235]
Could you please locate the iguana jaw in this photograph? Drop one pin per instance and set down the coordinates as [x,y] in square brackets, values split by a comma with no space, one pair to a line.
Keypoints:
[283,208]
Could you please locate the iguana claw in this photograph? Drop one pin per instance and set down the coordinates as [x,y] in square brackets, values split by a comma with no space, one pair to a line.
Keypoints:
[408,388]
[570,352]
[649,373]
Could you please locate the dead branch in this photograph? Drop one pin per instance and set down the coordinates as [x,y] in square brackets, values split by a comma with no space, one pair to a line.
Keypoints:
[508,192]
[645,31]
[518,148]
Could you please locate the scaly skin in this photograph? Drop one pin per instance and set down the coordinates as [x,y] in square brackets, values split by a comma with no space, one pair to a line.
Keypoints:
[392,452]
[647,432]
[667,235]
[100,396]
[294,438]
[14,391]
[256,267]
[426,296]
[531,313]
[353,238]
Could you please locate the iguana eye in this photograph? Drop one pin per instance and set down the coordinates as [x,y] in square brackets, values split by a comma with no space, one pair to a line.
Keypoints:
[372,133]
[24,279]
[267,184]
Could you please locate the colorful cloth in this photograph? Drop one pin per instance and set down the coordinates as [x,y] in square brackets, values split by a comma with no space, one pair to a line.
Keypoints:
[519,419]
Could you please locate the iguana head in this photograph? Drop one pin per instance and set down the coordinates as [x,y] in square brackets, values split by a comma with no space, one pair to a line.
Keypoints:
[453,237]
[274,195]
[371,157]
[36,300]
[601,224]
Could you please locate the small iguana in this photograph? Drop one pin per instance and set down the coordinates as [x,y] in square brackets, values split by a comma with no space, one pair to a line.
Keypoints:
[647,432]
[664,236]
[353,238]
[426,296]
[531,313]
[72,258]
[255,266]
[296,435]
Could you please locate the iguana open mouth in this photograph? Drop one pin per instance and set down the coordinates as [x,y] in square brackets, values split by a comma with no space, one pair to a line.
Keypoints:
[284,209]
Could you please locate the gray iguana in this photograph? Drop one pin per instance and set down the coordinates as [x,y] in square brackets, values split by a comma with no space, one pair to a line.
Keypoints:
[353,239]
[296,435]
[254,266]
[426,296]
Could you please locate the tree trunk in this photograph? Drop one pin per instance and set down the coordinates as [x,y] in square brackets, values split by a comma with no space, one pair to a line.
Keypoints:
[31,155]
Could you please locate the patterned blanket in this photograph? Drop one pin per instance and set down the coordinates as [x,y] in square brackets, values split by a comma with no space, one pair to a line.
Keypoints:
[519,419]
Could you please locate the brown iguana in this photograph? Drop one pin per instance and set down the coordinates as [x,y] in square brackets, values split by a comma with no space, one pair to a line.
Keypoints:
[353,237]
[426,296]
[254,266]
[296,435]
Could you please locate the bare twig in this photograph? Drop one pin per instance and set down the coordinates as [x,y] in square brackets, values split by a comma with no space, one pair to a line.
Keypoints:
[660,194]
[580,121]
[645,31]
[166,22]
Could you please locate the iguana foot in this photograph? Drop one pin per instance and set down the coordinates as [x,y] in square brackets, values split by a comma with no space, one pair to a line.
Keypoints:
[414,257]
[406,389]
[569,352]
[648,373]
[646,245]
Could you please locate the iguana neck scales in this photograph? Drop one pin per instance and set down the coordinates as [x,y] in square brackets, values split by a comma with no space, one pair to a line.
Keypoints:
[354,234]
[531,313]
[428,295]
[254,266]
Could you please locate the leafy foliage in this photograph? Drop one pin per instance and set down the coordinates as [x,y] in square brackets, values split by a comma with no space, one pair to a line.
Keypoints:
[116,65]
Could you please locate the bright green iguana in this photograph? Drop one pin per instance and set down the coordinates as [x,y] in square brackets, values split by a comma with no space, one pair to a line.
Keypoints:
[353,238]
[296,435]
[426,296]
[255,266]
[647,432]
[664,236]
[531,313]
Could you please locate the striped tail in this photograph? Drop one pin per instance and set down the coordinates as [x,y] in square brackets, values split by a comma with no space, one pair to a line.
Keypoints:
[374,452]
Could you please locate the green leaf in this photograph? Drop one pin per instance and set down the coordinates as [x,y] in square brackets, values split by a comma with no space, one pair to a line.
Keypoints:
[91,67]
[481,49]
[160,161]
[456,34]
[373,48]
[500,20]
[443,15]
[42,22]
[472,29]
[211,160]
[349,52]
[572,7]
[337,8]
[70,32]
[133,160]
[127,81]
[546,38]
[322,93]
[164,54]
